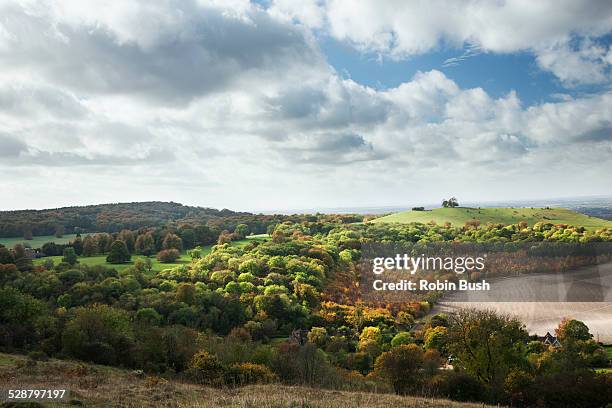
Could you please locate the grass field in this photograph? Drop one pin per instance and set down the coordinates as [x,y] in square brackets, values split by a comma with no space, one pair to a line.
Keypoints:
[37,242]
[101,260]
[156,265]
[99,386]
[458,216]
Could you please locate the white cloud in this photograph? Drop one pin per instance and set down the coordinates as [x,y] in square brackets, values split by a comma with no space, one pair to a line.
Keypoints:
[235,108]
[400,29]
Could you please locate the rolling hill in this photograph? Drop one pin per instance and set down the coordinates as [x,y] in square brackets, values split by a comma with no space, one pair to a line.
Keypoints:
[459,215]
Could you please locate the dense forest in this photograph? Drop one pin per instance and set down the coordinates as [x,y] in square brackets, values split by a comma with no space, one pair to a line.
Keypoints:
[290,309]
[131,216]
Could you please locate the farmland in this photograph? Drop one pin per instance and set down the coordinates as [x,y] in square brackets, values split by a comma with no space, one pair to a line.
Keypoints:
[595,309]
[460,215]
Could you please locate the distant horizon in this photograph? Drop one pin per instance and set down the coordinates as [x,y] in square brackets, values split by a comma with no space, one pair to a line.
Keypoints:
[377,209]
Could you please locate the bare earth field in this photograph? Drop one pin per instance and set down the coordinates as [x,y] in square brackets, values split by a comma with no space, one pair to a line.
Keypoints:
[541,301]
[99,386]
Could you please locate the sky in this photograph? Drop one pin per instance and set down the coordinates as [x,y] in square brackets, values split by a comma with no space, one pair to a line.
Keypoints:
[303,104]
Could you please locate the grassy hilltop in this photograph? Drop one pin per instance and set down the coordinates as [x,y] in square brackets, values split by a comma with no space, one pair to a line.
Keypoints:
[459,215]
[100,386]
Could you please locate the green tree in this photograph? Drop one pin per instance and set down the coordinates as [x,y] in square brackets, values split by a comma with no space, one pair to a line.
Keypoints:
[402,338]
[98,333]
[69,256]
[118,253]
[485,344]
[572,330]
[241,230]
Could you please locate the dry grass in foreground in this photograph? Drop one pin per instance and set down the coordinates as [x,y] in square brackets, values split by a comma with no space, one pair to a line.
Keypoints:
[100,386]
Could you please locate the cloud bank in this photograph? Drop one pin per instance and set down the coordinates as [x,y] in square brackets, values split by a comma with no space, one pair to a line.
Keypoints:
[232,104]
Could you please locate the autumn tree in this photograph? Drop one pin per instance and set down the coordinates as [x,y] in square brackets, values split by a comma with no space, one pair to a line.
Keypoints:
[400,366]
[90,248]
[172,241]
[145,244]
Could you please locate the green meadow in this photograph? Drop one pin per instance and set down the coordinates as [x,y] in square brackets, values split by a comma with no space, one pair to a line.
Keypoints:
[156,266]
[460,215]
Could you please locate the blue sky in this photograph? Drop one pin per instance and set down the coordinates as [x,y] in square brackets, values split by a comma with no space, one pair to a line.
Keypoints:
[289,104]
[496,73]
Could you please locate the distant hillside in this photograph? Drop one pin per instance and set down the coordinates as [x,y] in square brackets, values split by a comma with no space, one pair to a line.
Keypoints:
[459,216]
[100,386]
[103,217]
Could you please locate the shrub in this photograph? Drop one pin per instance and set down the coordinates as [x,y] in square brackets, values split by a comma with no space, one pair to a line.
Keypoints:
[248,373]
[168,255]
[400,366]
[458,386]
[204,368]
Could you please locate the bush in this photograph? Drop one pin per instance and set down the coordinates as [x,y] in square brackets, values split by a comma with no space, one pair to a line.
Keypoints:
[168,255]
[401,366]
[458,386]
[248,373]
[38,356]
[204,368]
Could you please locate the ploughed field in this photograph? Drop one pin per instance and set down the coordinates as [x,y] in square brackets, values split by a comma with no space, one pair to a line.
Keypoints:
[460,215]
[541,301]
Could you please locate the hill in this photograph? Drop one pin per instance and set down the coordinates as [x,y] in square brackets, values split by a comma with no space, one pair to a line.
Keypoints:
[100,386]
[460,215]
[105,217]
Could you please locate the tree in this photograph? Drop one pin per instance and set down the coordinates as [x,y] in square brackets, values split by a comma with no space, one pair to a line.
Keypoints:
[70,256]
[402,338]
[435,338]
[118,253]
[242,230]
[450,203]
[172,241]
[168,255]
[59,231]
[572,330]
[99,333]
[27,233]
[127,236]
[6,257]
[145,244]
[401,366]
[104,241]
[90,248]
[77,244]
[485,344]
